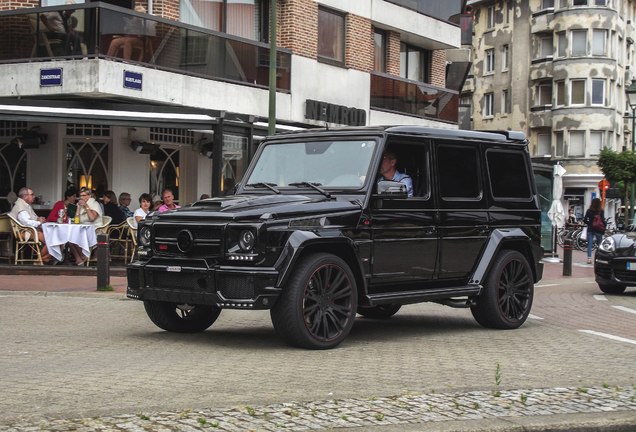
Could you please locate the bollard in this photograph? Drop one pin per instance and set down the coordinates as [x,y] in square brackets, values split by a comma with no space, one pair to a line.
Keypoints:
[103,262]
[567,257]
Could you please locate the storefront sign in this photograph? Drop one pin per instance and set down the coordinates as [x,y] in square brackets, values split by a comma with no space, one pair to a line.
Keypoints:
[50,77]
[331,113]
[132,80]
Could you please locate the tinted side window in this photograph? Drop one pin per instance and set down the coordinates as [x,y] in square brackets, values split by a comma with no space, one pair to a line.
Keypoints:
[508,172]
[458,168]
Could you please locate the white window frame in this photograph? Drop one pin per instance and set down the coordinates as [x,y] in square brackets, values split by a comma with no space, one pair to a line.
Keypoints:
[546,46]
[593,148]
[490,17]
[544,91]
[577,82]
[544,144]
[599,37]
[489,61]
[505,53]
[562,44]
[489,110]
[505,102]
[547,4]
[596,82]
[559,150]
[575,36]
[559,87]
[576,142]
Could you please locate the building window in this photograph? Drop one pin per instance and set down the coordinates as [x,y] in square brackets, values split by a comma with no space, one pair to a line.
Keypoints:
[560,93]
[563,4]
[505,101]
[489,61]
[600,2]
[543,144]
[558,148]
[599,38]
[596,142]
[507,6]
[598,92]
[562,44]
[415,63]
[545,47]
[577,92]
[331,31]
[164,170]
[491,17]
[379,51]
[577,143]
[619,50]
[544,94]
[579,42]
[579,2]
[237,17]
[505,52]
[488,104]
[87,164]
[547,4]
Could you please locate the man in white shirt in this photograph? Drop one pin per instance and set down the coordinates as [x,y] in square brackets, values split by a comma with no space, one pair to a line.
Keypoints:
[23,212]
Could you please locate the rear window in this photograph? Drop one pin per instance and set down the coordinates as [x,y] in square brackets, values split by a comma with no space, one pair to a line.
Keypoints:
[458,168]
[508,172]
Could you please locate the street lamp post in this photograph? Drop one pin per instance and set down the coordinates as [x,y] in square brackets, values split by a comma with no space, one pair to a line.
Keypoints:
[631,98]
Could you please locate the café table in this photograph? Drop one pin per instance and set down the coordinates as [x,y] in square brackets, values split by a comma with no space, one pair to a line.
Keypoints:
[57,235]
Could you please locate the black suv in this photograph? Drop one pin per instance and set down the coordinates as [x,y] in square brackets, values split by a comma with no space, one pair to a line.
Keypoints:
[314,236]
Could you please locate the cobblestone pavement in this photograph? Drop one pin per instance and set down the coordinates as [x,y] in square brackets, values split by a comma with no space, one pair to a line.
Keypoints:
[360,413]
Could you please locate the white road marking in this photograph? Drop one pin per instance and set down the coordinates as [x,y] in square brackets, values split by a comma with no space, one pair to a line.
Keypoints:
[625,309]
[534,317]
[599,297]
[545,285]
[590,282]
[609,336]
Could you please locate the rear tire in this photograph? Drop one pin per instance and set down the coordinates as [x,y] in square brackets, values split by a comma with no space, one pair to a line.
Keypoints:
[317,308]
[506,298]
[611,289]
[181,318]
[380,311]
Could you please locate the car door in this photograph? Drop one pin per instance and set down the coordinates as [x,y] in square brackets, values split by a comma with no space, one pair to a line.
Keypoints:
[462,221]
[403,231]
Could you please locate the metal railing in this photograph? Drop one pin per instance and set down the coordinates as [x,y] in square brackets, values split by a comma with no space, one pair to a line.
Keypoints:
[100,30]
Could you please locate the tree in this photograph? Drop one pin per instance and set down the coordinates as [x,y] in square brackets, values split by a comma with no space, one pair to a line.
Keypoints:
[620,167]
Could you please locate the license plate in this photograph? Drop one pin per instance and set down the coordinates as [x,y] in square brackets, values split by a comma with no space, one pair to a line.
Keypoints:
[631,265]
[178,268]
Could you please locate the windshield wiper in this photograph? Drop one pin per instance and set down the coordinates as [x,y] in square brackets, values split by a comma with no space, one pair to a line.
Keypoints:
[269,186]
[313,186]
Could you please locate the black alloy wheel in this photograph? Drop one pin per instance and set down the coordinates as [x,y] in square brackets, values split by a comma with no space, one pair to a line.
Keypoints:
[508,292]
[318,306]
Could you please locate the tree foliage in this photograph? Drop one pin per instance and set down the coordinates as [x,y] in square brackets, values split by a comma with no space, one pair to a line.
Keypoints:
[619,168]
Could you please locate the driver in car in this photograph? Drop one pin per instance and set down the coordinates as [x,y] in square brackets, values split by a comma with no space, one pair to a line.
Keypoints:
[388,171]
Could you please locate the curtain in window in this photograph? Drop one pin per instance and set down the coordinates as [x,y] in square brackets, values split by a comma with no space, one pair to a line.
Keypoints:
[330,35]
[577,143]
[596,142]
[242,18]
[202,13]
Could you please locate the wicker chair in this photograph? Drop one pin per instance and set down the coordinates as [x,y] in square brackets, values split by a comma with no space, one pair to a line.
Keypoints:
[119,241]
[6,238]
[132,233]
[26,240]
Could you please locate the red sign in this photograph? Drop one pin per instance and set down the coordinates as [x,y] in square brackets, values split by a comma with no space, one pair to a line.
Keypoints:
[603,185]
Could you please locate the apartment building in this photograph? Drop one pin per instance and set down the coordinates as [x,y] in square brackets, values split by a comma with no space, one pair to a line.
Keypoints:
[136,97]
[557,70]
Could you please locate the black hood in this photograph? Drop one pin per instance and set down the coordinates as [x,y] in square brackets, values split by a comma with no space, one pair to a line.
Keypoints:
[240,207]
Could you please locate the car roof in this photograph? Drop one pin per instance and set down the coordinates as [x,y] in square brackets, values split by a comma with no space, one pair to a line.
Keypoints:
[513,137]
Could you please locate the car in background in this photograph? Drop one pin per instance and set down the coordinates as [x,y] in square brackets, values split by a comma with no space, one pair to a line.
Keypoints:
[615,263]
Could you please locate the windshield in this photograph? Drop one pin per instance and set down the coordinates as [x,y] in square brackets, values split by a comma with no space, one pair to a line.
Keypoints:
[337,164]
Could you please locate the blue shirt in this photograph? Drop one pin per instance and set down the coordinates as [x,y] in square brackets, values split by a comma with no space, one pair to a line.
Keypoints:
[403,178]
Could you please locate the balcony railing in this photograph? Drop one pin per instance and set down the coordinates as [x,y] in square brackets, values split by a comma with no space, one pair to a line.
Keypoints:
[389,93]
[100,30]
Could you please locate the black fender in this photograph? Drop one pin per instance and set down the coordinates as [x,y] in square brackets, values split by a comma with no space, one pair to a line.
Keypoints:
[300,241]
[498,238]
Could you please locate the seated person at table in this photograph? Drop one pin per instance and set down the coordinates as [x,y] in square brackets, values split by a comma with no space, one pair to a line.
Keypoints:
[145,200]
[70,198]
[124,202]
[90,212]
[23,213]
[135,29]
[168,201]
[111,208]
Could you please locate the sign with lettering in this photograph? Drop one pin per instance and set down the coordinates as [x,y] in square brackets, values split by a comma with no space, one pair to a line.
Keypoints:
[50,77]
[331,113]
[133,80]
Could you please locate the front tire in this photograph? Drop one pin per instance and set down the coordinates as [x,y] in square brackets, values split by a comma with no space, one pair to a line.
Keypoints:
[611,289]
[317,308]
[507,295]
[181,318]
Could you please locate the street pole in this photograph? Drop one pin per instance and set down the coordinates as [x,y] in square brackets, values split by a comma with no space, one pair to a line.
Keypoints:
[633,185]
[271,129]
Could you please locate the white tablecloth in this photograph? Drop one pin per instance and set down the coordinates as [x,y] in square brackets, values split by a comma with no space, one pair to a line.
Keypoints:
[57,235]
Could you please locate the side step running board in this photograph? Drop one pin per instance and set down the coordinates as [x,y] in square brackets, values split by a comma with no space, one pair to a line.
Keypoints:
[441,295]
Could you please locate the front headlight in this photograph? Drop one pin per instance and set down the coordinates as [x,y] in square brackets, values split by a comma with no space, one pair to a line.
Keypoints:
[246,240]
[144,236]
[608,245]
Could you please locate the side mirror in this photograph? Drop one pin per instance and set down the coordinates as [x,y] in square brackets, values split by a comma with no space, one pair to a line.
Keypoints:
[391,189]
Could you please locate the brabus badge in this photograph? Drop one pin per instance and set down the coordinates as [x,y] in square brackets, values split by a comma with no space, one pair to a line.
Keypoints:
[176,269]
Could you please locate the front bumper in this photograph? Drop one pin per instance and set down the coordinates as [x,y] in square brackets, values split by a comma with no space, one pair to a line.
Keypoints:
[194,282]
[610,269]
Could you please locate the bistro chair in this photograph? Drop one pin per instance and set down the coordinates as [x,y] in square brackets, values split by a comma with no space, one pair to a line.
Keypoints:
[6,237]
[119,241]
[132,233]
[26,240]
[99,229]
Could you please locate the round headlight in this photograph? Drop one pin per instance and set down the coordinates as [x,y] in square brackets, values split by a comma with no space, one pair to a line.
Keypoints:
[144,236]
[607,244]
[246,240]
